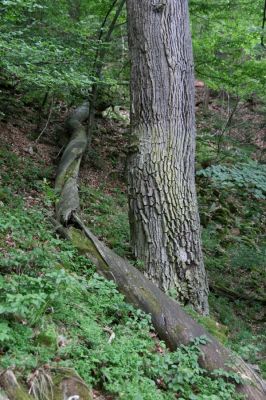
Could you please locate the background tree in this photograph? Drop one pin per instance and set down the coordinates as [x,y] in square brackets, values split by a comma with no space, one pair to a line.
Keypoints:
[165,229]
[227,45]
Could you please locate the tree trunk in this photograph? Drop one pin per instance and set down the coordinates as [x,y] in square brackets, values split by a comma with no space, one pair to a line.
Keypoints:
[165,228]
[170,322]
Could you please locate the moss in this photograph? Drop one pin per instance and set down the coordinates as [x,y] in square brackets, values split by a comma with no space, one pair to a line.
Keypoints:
[213,327]
[150,299]
[178,330]
[47,338]
[86,246]
[67,382]
[18,394]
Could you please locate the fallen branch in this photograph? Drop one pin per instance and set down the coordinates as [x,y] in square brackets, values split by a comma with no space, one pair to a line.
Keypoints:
[47,122]
[67,174]
[233,295]
[171,323]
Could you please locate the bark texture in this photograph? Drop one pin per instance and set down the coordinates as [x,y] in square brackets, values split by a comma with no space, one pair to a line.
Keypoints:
[165,228]
[171,323]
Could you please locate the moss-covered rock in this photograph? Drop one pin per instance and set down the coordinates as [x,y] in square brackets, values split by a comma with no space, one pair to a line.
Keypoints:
[67,384]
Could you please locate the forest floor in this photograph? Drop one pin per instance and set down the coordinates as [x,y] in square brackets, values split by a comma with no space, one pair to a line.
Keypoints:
[229,157]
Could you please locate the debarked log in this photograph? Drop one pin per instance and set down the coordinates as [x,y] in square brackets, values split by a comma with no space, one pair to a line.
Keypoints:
[171,323]
[66,184]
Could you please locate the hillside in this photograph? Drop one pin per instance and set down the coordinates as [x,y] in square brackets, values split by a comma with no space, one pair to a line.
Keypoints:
[57,313]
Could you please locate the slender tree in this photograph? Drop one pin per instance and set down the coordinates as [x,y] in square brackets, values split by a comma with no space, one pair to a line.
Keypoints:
[165,228]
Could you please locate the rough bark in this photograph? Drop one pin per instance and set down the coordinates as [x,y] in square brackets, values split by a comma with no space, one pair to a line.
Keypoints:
[171,323]
[165,228]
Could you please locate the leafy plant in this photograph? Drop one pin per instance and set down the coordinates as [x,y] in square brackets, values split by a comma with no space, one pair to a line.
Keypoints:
[55,310]
[250,177]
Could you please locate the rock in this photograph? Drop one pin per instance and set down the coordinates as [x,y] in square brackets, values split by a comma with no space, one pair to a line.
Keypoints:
[69,386]
[11,387]
[29,150]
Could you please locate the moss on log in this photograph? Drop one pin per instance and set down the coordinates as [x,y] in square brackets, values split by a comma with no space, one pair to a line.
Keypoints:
[67,174]
[172,324]
[55,383]
[69,385]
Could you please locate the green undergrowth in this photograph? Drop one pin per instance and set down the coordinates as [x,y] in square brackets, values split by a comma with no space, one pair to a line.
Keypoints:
[231,195]
[56,311]
[20,174]
[106,215]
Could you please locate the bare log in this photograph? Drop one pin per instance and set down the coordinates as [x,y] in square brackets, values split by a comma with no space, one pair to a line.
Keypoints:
[172,324]
[67,174]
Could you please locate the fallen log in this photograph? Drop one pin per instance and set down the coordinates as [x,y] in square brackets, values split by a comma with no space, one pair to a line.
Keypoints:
[67,174]
[231,294]
[171,323]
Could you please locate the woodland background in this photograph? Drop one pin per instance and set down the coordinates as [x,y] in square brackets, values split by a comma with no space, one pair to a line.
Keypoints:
[54,309]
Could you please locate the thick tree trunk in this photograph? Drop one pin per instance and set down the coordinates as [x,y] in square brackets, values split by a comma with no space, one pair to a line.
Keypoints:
[165,229]
[170,322]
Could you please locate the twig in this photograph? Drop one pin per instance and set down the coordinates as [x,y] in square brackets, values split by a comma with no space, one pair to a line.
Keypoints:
[60,151]
[227,124]
[112,334]
[47,122]
[263,25]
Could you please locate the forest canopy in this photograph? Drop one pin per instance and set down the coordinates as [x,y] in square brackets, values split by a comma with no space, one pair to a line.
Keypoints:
[45,47]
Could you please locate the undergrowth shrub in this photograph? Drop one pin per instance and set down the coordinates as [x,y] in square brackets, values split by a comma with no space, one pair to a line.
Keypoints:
[18,174]
[55,310]
[107,216]
[249,176]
